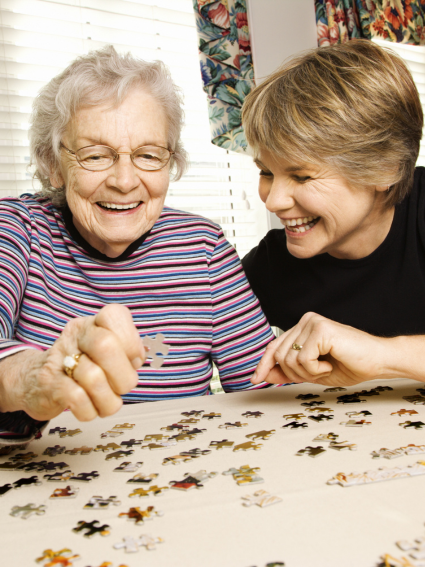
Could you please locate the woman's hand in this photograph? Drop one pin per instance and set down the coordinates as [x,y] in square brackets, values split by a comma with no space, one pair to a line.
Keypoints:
[111,351]
[332,354]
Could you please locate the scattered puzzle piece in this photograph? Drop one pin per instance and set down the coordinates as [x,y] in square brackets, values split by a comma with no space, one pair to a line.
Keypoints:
[131,442]
[404,412]
[185,456]
[354,423]
[295,425]
[224,444]
[349,399]
[5,488]
[124,426]
[311,451]
[193,413]
[174,427]
[155,490]
[143,478]
[189,420]
[378,475]
[417,400]
[119,454]
[54,451]
[40,466]
[261,498]
[131,545]
[211,415]
[247,446]
[64,558]
[313,404]
[85,476]
[264,434]
[157,349]
[26,457]
[185,436]
[67,492]
[70,433]
[108,447]
[410,449]
[128,467]
[245,475]
[326,437]
[140,516]
[336,389]
[363,413]
[155,437]
[32,480]
[28,510]
[320,417]
[9,466]
[343,445]
[306,397]
[60,476]
[57,430]
[100,503]
[296,416]
[236,425]
[160,445]
[413,424]
[194,480]
[255,414]
[80,451]
[92,528]
[319,409]
[111,434]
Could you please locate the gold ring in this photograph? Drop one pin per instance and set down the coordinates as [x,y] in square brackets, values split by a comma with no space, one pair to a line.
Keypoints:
[296,346]
[70,363]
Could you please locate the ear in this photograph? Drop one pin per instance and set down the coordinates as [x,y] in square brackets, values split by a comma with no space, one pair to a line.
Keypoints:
[382,188]
[56,180]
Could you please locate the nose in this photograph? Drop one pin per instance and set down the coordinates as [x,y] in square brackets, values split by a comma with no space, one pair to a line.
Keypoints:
[279,195]
[123,175]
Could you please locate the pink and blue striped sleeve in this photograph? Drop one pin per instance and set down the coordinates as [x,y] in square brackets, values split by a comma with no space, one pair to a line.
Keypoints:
[240,329]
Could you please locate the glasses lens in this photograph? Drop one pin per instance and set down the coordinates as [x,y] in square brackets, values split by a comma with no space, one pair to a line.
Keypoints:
[96,158]
[150,158]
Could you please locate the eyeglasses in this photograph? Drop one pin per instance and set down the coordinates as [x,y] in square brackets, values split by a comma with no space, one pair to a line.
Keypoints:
[99,158]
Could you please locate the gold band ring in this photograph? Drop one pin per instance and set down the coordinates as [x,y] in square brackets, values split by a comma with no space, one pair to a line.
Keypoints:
[296,346]
[70,363]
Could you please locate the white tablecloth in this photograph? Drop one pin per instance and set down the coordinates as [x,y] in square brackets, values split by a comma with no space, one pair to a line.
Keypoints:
[315,524]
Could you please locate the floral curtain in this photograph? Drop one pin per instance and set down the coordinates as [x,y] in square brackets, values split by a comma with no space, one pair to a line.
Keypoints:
[401,21]
[226,67]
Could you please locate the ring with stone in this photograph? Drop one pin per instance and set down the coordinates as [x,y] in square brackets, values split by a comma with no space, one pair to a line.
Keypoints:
[70,363]
[296,346]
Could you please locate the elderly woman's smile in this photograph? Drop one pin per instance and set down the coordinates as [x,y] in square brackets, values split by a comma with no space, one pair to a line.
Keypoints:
[114,207]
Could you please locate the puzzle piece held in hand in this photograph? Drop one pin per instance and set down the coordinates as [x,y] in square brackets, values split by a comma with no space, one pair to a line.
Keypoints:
[311,451]
[157,350]
[261,498]
[28,510]
[264,434]
[224,444]
[155,490]
[67,492]
[140,516]
[247,446]
[92,528]
[100,503]
[235,425]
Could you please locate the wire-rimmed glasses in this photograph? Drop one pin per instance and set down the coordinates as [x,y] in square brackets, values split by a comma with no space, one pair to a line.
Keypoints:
[99,158]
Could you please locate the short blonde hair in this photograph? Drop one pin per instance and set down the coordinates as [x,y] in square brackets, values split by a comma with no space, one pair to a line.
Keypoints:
[100,76]
[352,106]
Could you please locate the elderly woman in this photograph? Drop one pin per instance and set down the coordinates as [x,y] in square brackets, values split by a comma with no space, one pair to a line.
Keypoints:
[96,262]
[336,134]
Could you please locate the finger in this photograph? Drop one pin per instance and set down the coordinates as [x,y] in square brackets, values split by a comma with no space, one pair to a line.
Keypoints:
[118,319]
[90,377]
[76,399]
[267,362]
[276,376]
[105,350]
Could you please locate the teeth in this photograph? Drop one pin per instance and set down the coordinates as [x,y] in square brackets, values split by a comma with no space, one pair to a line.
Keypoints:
[298,229]
[120,207]
[299,221]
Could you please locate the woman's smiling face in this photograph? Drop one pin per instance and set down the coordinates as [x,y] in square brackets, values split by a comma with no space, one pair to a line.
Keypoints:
[93,196]
[321,211]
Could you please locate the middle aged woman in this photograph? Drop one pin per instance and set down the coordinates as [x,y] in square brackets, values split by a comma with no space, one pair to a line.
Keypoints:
[336,134]
[95,262]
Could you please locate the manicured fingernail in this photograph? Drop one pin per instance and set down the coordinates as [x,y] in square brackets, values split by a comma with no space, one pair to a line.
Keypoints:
[136,363]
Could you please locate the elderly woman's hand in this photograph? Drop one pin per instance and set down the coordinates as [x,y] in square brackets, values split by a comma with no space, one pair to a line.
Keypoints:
[332,354]
[111,351]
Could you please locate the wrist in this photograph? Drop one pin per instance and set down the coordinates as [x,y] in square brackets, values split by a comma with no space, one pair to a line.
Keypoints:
[16,372]
[402,357]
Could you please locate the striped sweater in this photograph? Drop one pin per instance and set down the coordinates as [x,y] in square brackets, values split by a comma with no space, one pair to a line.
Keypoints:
[181,279]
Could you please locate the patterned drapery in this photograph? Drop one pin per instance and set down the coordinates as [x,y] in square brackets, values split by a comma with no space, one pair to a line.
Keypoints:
[226,67]
[400,21]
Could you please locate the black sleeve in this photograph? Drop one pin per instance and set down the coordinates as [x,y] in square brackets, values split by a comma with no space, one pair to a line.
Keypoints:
[257,269]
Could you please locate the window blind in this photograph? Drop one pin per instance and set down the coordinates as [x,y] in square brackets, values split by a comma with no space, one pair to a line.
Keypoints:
[38,38]
[414,57]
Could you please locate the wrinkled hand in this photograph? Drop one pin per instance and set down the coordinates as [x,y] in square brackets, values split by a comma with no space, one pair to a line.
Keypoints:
[111,351]
[332,354]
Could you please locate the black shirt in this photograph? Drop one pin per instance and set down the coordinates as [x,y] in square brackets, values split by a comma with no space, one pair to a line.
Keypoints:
[382,294]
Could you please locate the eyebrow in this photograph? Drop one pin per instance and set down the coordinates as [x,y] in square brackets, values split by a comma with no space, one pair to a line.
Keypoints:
[291,169]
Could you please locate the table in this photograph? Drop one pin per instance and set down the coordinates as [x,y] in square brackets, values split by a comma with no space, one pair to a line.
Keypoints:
[315,524]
